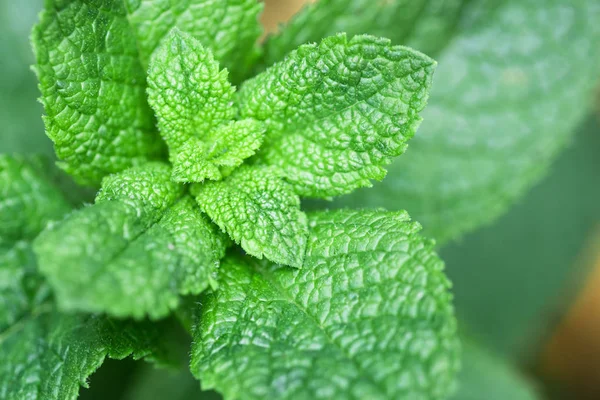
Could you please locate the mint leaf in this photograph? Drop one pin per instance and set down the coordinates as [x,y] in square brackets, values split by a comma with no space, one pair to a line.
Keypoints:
[510,90]
[27,199]
[20,286]
[48,356]
[193,101]
[259,211]
[93,88]
[189,93]
[148,189]
[368,316]
[422,24]
[229,145]
[336,113]
[229,27]
[487,376]
[134,252]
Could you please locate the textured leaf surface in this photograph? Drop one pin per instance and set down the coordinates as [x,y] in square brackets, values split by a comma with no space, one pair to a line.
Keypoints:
[48,356]
[146,188]
[193,101]
[487,376]
[28,200]
[368,316]
[337,112]
[93,88]
[426,25]
[227,148]
[135,251]
[509,91]
[229,27]
[260,212]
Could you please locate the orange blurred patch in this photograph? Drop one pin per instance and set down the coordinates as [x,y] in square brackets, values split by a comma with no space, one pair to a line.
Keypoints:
[572,355]
[278,11]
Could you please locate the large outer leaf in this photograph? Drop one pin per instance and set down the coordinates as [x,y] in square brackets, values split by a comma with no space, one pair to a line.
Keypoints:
[509,91]
[45,355]
[532,256]
[368,316]
[337,112]
[135,251]
[48,356]
[93,88]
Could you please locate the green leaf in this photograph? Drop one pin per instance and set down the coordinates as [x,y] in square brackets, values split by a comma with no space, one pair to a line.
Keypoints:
[133,253]
[20,286]
[510,90]
[228,147]
[337,112]
[93,88]
[193,101]
[228,27]
[47,355]
[368,316]
[148,189]
[423,24]
[487,376]
[259,211]
[28,200]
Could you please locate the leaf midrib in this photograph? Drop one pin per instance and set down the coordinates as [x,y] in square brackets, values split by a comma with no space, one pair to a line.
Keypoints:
[270,279]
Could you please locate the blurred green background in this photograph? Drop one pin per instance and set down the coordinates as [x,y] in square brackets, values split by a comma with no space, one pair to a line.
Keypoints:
[513,280]
[20,113]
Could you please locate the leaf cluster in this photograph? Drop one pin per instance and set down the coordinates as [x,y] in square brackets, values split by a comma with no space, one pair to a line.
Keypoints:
[204,143]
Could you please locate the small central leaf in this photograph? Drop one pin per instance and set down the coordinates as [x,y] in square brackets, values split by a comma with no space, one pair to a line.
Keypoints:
[260,212]
[193,101]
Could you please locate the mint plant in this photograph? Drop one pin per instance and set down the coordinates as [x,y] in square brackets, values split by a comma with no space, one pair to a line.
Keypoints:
[203,143]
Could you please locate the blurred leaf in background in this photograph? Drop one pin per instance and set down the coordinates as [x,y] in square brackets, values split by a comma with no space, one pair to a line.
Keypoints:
[20,113]
[514,279]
